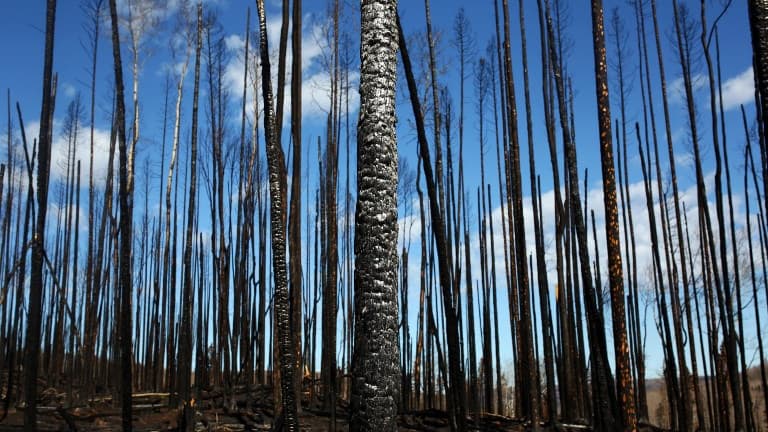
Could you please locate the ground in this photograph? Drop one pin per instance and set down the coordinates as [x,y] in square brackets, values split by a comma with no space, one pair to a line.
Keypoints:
[241,411]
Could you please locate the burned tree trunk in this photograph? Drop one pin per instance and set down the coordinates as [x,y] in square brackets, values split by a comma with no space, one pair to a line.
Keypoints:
[456,372]
[185,332]
[294,221]
[125,197]
[277,192]
[375,382]
[32,338]
[624,392]
[758,20]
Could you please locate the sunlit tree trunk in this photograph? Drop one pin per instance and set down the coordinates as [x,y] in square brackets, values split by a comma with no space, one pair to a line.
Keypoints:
[625,394]
[376,378]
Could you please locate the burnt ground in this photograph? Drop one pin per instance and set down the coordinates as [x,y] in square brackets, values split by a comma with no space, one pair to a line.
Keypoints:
[215,411]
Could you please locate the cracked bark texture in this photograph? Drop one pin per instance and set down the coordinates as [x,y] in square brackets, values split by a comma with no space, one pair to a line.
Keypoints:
[278,188]
[375,371]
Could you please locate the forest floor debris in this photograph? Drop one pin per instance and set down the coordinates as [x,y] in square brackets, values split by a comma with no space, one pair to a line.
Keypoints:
[219,411]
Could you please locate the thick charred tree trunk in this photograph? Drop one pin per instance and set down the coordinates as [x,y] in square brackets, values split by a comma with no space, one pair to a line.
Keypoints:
[277,192]
[375,382]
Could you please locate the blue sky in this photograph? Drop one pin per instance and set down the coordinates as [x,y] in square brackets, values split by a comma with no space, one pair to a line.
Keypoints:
[21,45]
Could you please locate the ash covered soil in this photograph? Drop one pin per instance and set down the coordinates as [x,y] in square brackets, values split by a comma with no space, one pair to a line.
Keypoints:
[235,411]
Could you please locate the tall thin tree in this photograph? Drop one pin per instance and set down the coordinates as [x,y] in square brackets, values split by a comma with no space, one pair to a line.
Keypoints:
[185,332]
[32,337]
[277,192]
[625,394]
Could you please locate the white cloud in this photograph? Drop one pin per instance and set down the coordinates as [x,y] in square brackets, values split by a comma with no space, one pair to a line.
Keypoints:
[643,248]
[677,88]
[60,148]
[234,42]
[684,159]
[316,97]
[739,89]
[410,229]
[316,81]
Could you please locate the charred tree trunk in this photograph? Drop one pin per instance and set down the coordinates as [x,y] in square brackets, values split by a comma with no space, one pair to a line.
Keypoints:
[294,222]
[625,394]
[187,297]
[125,194]
[32,337]
[758,20]
[456,372]
[277,192]
[376,384]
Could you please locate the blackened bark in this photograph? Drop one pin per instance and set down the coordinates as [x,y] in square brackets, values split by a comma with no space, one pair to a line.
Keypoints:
[541,265]
[525,359]
[740,405]
[456,372]
[277,192]
[32,337]
[187,296]
[281,60]
[125,196]
[747,160]
[294,222]
[624,392]
[758,20]
[375,374]
[602,386]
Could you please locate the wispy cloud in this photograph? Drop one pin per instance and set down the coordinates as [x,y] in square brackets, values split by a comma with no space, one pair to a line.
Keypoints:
[316,80]
[677,88]
[410,229]
[60,148]
[739,90]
